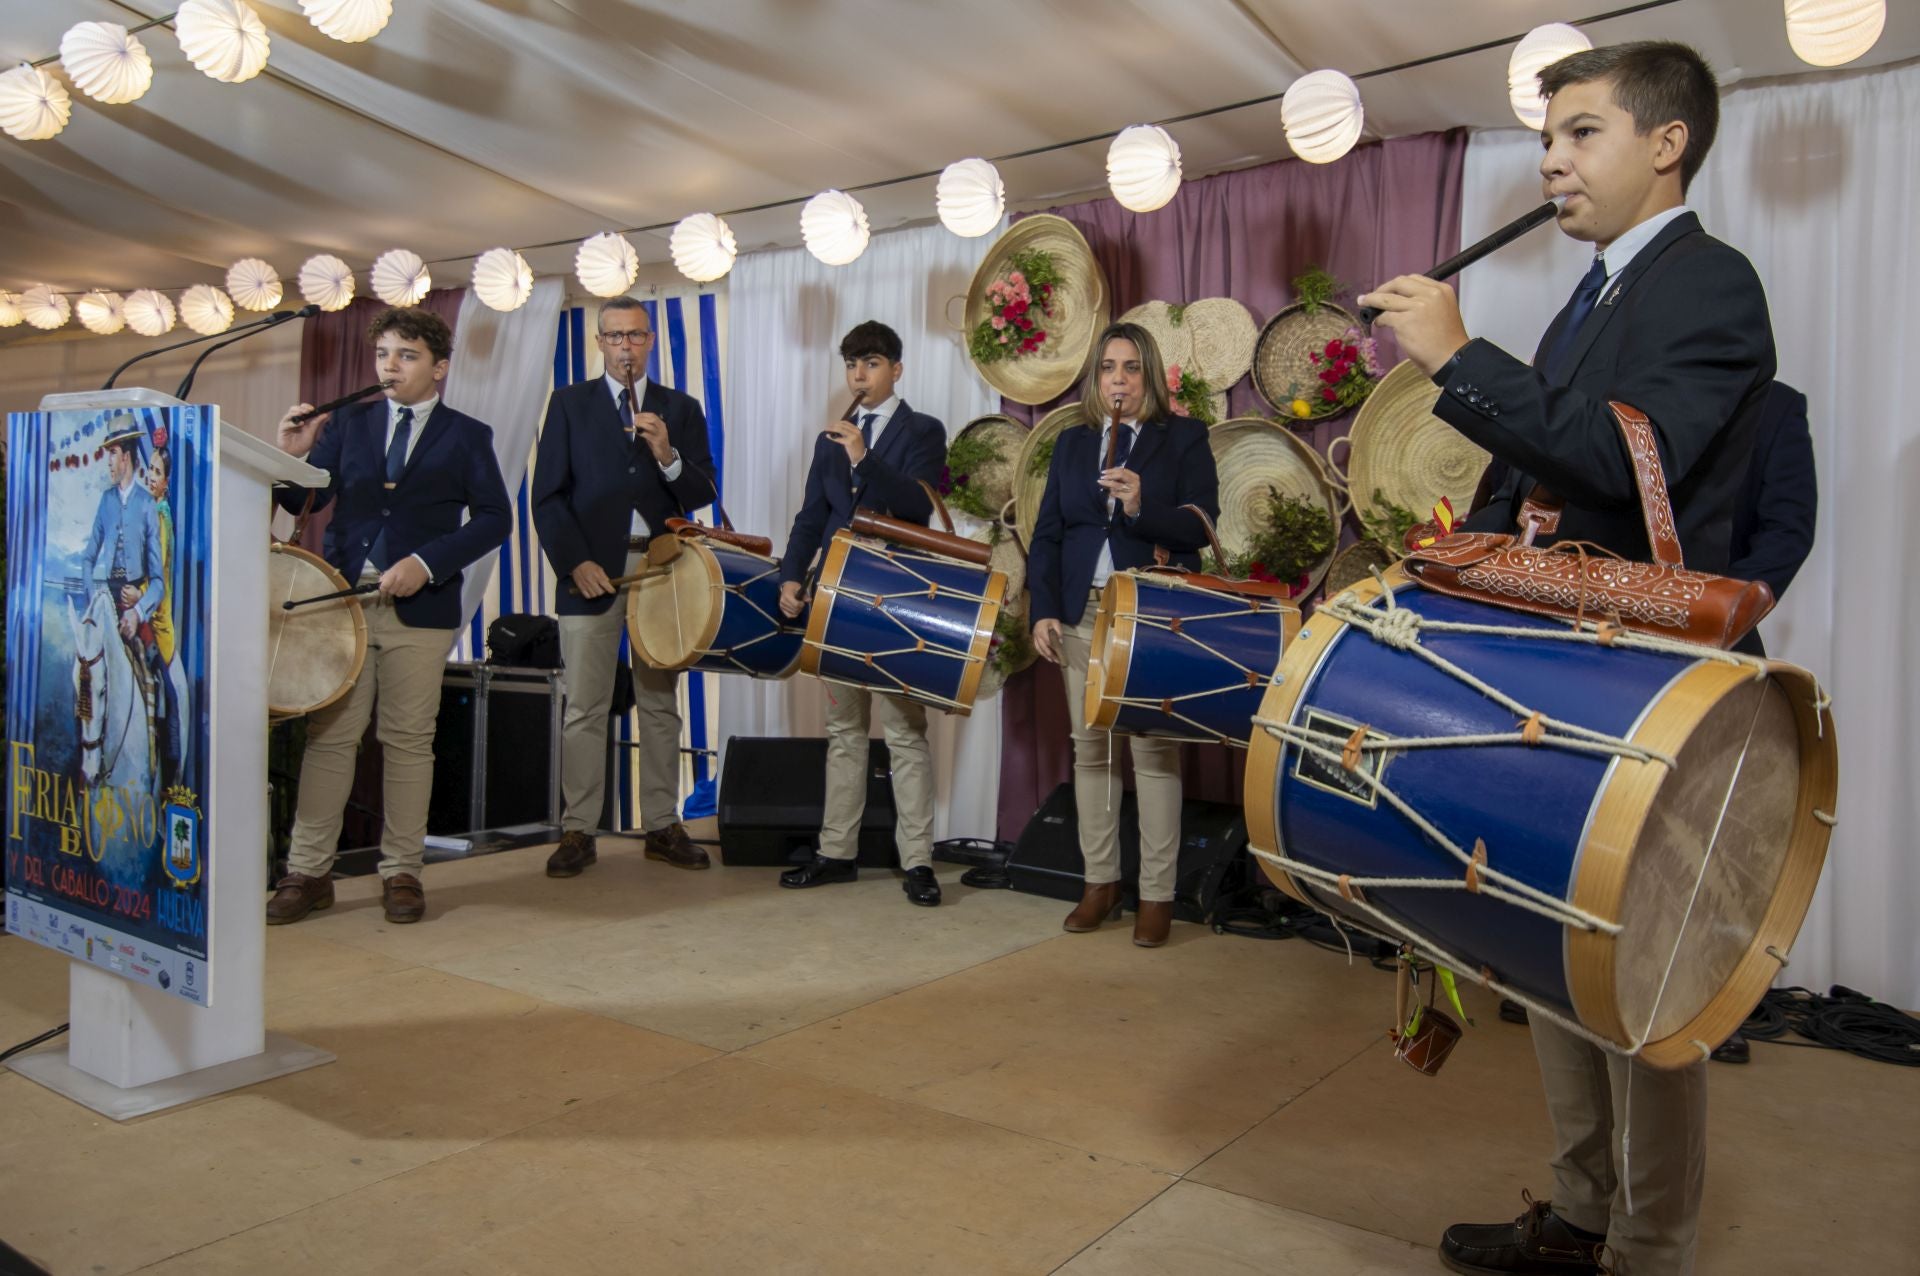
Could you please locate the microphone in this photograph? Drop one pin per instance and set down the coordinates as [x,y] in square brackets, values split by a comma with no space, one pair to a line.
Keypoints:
[277,317]
[1492,243]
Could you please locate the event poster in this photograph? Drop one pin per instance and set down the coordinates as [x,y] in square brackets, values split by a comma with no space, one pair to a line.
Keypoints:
[109,515]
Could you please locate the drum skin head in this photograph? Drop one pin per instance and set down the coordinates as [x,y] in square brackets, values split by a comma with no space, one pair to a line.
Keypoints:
[314,653]
[672,619]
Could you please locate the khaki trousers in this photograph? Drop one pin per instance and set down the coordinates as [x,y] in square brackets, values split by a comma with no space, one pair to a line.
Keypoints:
[403,672]
[904,724]
[590,649]
[1663,1160]
[1156,783]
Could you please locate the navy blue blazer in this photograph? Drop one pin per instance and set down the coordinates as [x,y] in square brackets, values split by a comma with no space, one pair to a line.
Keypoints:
[1175,465]
[911,449]
[589,479]
[1773,530]
[451,472]
[1683,335]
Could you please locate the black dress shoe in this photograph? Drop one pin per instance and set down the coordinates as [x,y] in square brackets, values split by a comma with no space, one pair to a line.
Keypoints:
[1538,1243]
[1733,1050]
[922,887]
[820,871]
[575,852]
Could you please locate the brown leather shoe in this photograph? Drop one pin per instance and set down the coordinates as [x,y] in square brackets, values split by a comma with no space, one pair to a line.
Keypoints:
[1153,923]
[296,895]
[1098,904]
[403,898]
[574,853]
[672,845]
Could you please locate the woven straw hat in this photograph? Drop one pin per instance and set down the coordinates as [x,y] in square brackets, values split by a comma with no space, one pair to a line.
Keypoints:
[1080,309]
[1283,367]
[1174,339]
[1252,454]
[1029,487]
[1223,335]
[994,481]
[1412,457]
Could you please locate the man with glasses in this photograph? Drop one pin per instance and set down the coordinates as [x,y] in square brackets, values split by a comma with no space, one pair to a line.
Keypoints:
[619,456]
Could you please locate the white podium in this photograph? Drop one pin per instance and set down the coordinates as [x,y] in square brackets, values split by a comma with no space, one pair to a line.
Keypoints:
[133,1048]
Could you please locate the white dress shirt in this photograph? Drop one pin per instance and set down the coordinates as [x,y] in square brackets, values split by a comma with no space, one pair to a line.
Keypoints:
[1618,255]
[421,411]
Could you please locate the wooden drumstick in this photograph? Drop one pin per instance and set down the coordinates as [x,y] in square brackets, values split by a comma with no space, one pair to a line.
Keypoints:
[371,586]
[619,581]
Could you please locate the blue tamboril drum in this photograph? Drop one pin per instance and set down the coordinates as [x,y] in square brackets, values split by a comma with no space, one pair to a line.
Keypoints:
[1183,655]
[902,621]
[715,607]
[1623,835]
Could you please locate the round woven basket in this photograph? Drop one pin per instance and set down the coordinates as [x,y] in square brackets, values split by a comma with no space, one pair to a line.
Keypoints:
[1252,454]
[993,481]
[1079,307]
[1400,449]
[1175,340]
[1283,367]
[1223,334]
[1029,487]
[1011,559]
[1356,563]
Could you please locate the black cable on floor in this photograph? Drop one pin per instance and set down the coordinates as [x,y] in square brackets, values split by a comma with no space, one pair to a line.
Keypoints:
[29,1044]
[1841,1020]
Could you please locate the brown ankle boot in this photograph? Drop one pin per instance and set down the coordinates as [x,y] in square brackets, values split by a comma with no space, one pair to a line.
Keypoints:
[1097,904]
[1153,923]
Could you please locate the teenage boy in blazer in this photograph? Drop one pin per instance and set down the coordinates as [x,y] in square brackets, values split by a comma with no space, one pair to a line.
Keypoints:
[877,462]
[403,471]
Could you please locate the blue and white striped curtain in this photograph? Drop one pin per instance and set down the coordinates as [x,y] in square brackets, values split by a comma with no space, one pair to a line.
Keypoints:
[690,357]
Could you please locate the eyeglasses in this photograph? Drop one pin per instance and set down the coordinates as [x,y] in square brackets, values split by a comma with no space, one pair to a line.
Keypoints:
[636,338]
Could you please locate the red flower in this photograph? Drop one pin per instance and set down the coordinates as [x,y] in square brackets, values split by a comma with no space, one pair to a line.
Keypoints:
[1040,335]
[1329,376]
[1333,347]
[1351,352]
[1329,396]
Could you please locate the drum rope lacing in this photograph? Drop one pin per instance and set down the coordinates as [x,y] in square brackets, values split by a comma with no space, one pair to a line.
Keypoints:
[1176,625]
[878,602]
[781,628]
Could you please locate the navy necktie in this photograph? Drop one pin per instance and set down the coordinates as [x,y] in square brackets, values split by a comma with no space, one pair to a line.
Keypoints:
[866,428]
[626,410]
[397,450]
[1578,308]
[396,465]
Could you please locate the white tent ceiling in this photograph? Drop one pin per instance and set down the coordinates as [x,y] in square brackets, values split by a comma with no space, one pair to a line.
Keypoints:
[472,123]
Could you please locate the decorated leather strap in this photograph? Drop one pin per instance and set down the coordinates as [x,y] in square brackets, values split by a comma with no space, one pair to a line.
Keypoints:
[1643,446]
[1162,556]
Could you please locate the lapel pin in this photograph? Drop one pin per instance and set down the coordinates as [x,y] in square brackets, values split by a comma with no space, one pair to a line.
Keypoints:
[1615,294]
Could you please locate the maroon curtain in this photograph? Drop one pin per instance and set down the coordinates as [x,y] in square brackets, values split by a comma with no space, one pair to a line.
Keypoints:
[1390,208]
[336,358]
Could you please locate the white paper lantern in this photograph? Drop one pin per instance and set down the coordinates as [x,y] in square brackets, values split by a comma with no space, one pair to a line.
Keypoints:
[105,62]
[254,284]
[206,309]
[400,278]
[101,312]
[835,227]
[150,313]
[10,315]
[1539,49]
[327,282]
[33,105]
[703,247]
[348,21]
[970,197]
[1834,32]
[606,264]
[44,308]
[1143,167]
[224,39]
[1322,116]
[502,279]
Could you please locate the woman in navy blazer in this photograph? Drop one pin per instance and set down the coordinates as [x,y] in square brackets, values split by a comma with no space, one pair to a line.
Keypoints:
[1094,521]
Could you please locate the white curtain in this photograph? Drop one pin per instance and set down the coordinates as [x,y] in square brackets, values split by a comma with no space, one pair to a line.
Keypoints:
[784,384]
[1816,179]
[501,373]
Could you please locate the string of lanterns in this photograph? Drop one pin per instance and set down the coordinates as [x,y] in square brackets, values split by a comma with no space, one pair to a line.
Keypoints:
[1321,114]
